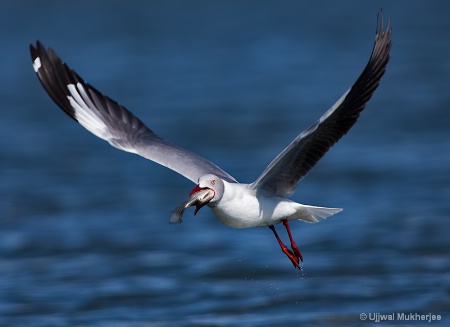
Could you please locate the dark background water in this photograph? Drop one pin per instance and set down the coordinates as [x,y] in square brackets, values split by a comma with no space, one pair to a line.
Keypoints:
[84,233]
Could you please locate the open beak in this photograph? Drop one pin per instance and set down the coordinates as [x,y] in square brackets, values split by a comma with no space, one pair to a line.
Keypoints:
[199,197]
[205,195]
[199,206]
[195,190]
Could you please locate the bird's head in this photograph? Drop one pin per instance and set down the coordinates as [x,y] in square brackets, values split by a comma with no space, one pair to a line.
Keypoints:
[208,182]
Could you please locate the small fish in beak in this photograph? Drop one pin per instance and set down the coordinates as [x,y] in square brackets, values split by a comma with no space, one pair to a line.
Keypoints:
[197,198]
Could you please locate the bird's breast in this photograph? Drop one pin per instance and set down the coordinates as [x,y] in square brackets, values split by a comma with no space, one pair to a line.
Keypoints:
[241,208]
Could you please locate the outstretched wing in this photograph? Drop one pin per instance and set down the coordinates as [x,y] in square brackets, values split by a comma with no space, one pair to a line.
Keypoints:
[281,177]
[110,121]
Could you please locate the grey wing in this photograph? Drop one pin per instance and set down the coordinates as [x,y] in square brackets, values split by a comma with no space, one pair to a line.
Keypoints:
[282,175]
[110,121]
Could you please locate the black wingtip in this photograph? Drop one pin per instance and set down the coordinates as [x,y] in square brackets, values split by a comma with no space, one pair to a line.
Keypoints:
[32,51]
[53,75]
[379,21]
[380,29]
[35,50]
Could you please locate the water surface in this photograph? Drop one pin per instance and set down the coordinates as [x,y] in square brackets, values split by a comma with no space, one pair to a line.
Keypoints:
[84,233]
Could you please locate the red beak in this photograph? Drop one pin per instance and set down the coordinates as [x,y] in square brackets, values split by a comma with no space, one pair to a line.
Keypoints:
[199,206]
[195,189]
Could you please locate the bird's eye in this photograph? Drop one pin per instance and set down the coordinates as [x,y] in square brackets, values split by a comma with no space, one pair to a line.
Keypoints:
[213,182]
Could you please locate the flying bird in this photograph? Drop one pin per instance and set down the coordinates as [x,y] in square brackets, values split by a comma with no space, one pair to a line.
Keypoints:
[263,202]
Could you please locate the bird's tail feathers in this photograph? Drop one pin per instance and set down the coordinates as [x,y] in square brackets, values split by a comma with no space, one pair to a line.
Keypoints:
[312,214]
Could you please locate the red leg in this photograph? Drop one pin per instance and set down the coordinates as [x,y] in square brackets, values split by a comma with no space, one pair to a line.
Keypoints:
[294,246]
[294,258]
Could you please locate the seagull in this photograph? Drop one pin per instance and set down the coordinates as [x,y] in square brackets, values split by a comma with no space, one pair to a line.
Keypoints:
[264,202]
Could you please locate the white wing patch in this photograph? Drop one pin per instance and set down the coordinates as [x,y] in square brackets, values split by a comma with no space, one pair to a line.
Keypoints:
[37,64]
[87,114]
[85,111]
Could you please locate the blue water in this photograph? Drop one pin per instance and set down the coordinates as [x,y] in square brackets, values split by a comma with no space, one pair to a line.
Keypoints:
[84,233]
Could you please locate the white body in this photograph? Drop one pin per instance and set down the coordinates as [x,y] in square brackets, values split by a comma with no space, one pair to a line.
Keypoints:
[241,207]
